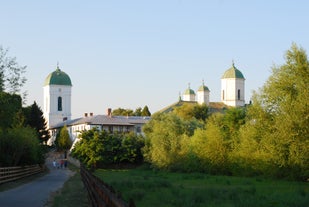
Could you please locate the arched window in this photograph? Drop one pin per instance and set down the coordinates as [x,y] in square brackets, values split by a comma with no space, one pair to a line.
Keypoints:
[238,94]
[59,103]
[223,95]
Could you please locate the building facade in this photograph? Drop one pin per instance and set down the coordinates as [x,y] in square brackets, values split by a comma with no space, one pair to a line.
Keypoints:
[57,112]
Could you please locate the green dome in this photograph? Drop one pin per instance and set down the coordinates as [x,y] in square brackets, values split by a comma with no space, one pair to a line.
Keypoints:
[233,72]
[58,77]
[203,87]
[189,92]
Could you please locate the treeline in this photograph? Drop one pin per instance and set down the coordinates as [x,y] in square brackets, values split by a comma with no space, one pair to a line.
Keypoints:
[22,129]
[129,112]
[268,138]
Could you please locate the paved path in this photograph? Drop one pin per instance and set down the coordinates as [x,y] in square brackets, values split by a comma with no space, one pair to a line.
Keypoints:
[36,193]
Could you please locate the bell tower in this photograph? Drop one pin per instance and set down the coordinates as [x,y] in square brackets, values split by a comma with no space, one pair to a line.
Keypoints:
[233,87]
[57,97]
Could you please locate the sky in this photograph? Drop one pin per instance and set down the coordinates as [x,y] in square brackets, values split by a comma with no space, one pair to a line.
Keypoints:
[132,53]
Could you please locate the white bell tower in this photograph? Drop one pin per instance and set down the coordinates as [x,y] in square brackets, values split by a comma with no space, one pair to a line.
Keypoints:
[57,98]
[233,87]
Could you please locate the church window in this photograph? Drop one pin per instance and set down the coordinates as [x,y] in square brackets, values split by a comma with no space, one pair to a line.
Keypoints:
[223,95]
[59,103]
[238,94]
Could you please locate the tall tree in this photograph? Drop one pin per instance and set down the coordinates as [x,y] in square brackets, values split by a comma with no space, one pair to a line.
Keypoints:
[11,73]
[145,111]
[10,104]
[63,140]
[35,119]
[282,110]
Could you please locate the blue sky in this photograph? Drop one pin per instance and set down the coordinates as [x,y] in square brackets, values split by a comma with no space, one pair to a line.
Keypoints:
[133,53]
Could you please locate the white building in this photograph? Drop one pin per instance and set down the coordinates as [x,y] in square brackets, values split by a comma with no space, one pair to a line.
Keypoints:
[57,112]
[232,90]
[233,87]
[57,97]
[202,96]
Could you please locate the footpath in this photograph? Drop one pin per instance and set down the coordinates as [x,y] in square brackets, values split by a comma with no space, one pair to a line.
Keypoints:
[37,192]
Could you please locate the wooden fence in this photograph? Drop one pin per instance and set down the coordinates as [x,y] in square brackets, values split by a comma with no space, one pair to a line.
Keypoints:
[100,193]
[14,173]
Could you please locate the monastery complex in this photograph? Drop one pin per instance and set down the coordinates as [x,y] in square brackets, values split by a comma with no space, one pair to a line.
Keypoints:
[57,105]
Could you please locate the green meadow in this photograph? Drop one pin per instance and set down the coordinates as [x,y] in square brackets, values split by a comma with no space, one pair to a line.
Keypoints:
[148,187]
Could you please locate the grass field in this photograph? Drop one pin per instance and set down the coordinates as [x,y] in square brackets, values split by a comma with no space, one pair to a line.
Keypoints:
[154,188]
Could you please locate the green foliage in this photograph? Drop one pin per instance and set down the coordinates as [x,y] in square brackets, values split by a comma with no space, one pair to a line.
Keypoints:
[99,148]
[277,130]
[11,74]
[35,119]
[20,146]
[63,140]
[166,137]
[122,112]
[268,138]
[145,111]
[188,111]
[148,187]
[129,112]
[211,147]
[10,104]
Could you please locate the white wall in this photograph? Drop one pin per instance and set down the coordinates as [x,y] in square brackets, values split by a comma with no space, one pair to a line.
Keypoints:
[50,111]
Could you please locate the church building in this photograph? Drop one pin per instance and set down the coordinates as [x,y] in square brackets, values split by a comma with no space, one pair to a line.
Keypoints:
[232,90]
[57,112]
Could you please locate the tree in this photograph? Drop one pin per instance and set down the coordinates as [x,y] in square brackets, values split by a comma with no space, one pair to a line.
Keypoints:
[122,112]
[145,111]
[138,112]
[100,148]
[164,134]
[63,140]
[188,111]
[10,104]
[35,119]
[19,146]
[281,120]
[11,74]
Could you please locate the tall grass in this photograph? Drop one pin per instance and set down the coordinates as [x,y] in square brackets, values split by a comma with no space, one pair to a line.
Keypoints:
[153,188]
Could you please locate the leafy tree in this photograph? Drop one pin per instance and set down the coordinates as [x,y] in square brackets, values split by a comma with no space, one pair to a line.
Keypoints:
[164,133]
[10,104]
[188,111]
[35,119]
[129,112]
[100,148]
[279,128]
[145,111]
[19,146]
[131,146]
[138,112]
[123,112]
[11,74]
[63,140]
